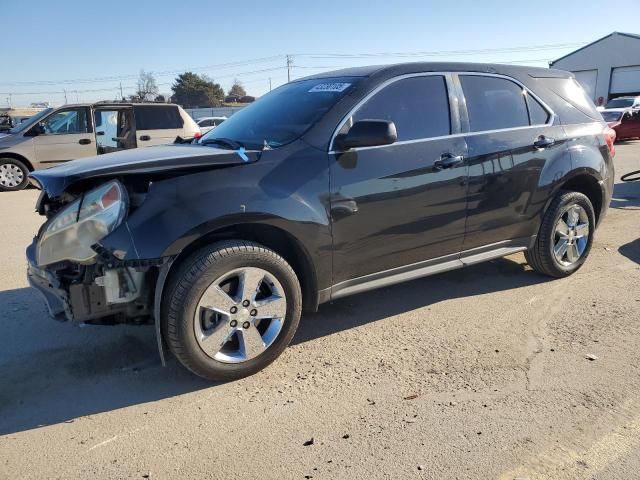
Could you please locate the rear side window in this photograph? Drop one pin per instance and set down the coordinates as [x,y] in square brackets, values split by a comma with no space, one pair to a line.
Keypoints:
[151,117]
[494,103]
[537,112]
[419,107]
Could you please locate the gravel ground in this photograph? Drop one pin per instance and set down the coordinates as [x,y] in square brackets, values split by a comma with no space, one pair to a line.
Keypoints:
[478,373]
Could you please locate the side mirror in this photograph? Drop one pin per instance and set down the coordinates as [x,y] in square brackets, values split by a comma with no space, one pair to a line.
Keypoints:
[37,129]
[368,133]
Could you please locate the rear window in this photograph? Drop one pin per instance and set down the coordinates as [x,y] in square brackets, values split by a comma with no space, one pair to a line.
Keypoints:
[494,103]
[538,114]
[151,117]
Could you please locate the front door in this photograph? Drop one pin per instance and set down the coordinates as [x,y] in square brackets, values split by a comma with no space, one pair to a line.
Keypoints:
[391,205]
[115,129]
[512,142]
[66,135]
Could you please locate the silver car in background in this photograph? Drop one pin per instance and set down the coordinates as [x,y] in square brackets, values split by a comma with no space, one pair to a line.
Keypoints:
[59,135]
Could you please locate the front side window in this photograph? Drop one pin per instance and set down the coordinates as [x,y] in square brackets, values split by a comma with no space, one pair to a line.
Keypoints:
[66,122]
[611,116]
[620,103]
[494,103]
[419,107]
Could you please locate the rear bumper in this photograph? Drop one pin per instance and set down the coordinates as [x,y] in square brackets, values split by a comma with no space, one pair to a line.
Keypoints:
[55,298]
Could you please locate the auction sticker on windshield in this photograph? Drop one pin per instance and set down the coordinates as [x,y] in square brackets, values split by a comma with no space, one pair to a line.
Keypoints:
[330,87]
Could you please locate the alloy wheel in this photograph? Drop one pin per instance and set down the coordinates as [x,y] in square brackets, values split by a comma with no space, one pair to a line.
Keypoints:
[240,315]
[571,235]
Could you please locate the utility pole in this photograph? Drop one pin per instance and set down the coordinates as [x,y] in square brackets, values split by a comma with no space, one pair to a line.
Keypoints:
[289,65]
[65,96]
[121,94]
[9,101]
[269,83]
[77,100]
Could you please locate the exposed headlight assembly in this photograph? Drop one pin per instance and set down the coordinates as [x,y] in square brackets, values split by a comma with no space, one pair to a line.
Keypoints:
[83,223]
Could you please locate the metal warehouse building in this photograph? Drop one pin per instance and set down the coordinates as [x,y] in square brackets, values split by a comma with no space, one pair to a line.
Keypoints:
[606,68]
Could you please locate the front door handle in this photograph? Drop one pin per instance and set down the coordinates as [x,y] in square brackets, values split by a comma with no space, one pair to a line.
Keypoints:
[543,142]
[84,141]
[145,138]
[343,207]
[447,160]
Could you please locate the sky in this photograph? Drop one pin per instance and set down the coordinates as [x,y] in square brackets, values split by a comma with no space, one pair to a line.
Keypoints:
[89,48]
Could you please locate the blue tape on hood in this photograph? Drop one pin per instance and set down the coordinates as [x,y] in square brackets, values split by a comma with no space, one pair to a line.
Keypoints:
[241,153]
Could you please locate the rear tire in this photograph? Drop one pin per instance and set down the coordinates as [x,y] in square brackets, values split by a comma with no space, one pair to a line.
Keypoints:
[565,237]
[13,175]
[231,309]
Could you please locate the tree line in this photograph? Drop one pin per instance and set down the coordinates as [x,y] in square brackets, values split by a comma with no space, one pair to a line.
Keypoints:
[189,90]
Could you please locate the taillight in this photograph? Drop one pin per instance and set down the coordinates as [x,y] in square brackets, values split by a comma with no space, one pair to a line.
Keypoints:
[197,135]
[610,138]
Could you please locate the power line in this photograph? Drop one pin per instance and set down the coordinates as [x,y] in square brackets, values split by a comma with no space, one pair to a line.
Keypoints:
[531,48]
[120,87]
[289,59]
[157,74]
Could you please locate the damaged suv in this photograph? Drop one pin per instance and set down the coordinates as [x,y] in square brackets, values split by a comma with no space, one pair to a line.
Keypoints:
[328,186]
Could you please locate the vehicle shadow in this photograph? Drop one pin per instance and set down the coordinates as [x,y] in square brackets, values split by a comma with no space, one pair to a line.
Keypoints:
[343,314]
[54,372]
[626,195]
[631,250]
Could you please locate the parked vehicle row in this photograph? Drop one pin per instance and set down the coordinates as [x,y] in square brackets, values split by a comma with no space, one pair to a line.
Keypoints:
[59,135]
[328,186]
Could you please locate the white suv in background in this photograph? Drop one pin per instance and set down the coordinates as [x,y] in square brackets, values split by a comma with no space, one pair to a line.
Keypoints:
[209,123]
[70,132]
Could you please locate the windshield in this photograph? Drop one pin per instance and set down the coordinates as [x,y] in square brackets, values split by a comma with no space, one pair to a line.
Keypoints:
[620,103]
[611,116]
[30,121]
[284,114]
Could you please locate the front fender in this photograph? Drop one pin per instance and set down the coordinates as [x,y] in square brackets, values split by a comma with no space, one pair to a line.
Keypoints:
[287,190]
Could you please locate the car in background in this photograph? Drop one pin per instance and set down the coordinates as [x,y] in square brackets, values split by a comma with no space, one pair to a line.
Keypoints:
[623,102]
[209,123]
[625,122]
[57,135]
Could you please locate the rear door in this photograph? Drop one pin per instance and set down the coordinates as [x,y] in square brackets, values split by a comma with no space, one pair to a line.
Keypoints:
[513,143]
[157,124]
[68,135]
[392,205]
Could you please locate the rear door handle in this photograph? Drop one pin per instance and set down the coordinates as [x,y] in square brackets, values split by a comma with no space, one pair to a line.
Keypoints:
[84,141]
[543,142]
[447,160]
[145,138]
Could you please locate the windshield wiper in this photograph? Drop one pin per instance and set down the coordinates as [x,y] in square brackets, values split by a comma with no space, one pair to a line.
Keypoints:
[223,142]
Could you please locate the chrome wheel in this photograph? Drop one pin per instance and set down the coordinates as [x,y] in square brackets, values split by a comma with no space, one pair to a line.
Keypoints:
[571,235]
[11,175]
[240,315]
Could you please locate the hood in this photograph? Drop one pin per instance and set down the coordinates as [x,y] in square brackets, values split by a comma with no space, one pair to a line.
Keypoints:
[151,160]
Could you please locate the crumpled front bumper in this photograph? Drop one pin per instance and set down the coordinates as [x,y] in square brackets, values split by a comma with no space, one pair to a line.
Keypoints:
[47,284]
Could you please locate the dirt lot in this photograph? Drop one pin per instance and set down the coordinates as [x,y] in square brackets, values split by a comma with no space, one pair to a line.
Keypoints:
[481,373]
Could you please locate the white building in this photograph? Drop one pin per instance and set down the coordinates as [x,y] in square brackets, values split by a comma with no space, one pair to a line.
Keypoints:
[606,68]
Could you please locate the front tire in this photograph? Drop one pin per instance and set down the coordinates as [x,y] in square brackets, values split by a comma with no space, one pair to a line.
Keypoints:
[565,237]
[231,309]
[13,175]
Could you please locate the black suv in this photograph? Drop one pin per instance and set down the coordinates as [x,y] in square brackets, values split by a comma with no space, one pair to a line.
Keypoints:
[328,186]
